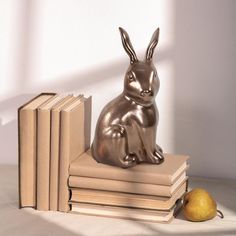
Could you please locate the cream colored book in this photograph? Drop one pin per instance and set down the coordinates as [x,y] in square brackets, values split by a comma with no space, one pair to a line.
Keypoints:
[43,152]
[54,150]
[125,212]
[165,174]
[125,199]
[125,186]
[27,150]
[72,144]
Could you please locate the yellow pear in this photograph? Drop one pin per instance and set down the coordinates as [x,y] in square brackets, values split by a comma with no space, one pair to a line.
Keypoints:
[199,205]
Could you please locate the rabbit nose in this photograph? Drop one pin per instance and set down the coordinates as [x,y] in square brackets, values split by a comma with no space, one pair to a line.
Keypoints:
[146,92]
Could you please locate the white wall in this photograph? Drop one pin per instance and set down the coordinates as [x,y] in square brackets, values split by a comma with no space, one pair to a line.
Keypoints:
[71,45]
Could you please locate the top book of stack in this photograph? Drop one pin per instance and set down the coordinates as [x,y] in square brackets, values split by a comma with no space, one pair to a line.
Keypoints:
[165,174]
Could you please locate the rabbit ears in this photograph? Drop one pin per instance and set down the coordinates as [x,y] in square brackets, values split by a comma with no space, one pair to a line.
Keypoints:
[130,50]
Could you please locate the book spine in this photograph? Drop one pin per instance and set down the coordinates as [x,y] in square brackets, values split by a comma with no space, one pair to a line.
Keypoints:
[43,159]
[54,160]
[27,158]
[87,121]
[119,186]
[64,156]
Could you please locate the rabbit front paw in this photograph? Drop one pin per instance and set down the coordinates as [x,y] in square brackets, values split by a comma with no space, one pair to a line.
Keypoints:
[129,161]
[156,157]
[159,155]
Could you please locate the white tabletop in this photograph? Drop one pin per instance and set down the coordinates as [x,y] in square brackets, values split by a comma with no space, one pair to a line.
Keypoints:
[14,221]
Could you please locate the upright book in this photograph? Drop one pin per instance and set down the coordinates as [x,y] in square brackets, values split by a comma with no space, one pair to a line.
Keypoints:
[27,149]
[74,140]
[43,152]
[54,153]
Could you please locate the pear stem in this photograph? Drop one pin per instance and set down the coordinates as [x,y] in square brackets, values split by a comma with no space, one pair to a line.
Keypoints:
[220,214]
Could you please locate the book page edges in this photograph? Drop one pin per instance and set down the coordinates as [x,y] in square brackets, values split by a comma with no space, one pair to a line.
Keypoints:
[123,213]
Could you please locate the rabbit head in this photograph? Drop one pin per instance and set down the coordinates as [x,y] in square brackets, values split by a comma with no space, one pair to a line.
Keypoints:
[141,82]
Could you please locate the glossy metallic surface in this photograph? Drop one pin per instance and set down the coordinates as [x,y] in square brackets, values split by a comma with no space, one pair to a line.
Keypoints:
[126,129]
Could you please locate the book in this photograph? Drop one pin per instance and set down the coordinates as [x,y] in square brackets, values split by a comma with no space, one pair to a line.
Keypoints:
[43,152]
[54,151]
[127,213]
[125,186]
[27,149]
[73,142]
[125,199]
[165,174]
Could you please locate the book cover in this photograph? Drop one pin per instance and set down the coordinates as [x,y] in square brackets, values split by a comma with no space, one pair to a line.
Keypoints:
[27,150]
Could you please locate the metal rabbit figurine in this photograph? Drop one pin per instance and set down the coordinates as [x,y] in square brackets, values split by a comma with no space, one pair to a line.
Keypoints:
[126,129]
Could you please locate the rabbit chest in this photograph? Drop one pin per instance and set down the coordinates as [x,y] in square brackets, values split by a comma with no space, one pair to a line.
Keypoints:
[128,114]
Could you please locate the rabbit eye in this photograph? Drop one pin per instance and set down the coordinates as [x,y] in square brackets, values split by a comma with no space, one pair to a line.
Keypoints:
[131,78]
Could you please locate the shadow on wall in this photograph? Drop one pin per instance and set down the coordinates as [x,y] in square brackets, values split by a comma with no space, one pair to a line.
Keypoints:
[98,74]
[8,130]
[204,99]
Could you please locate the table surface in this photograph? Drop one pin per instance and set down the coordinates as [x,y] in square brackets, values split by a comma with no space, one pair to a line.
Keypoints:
[27,221]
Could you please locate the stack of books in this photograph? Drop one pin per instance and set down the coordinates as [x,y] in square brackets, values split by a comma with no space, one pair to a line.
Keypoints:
[53,131]
[144,192]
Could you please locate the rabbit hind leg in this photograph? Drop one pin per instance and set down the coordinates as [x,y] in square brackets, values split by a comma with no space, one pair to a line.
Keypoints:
[118,147]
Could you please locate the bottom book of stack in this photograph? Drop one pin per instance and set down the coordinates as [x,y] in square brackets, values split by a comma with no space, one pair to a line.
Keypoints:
[164,216]
[144,192]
